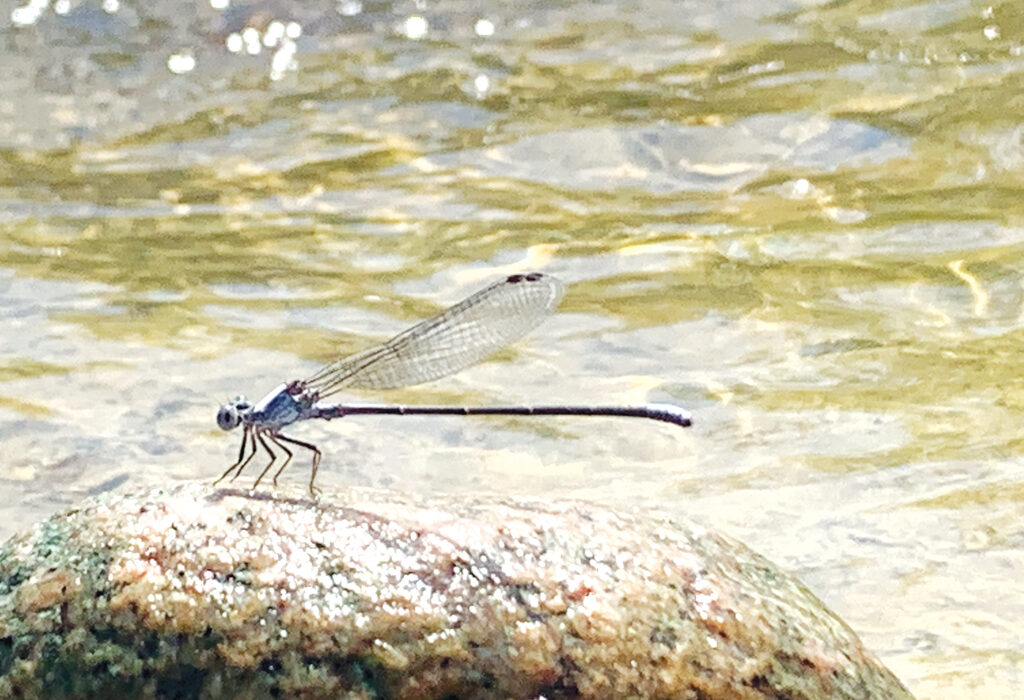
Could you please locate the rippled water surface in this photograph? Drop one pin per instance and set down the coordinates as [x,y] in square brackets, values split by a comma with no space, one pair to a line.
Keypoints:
[801,220]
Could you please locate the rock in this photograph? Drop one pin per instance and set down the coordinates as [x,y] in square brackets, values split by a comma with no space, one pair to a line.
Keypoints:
[195,592]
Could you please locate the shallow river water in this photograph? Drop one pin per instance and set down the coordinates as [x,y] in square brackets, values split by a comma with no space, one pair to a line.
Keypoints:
[801,220]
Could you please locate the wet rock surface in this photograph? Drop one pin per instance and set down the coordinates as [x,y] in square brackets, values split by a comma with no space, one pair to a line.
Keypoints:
[195,592]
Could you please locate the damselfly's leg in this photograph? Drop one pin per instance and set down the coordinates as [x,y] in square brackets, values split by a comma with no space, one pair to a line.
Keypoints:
[247,437]
[273,456]
[273,439]
[316,460]
[253,434]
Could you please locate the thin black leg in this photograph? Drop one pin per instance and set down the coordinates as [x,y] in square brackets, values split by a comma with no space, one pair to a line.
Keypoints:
[316,461]
[242,460]
[273,439]
[252,453]
[273,456]
[253,434]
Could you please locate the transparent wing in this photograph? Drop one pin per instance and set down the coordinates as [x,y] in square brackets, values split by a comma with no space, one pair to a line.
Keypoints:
[461,336]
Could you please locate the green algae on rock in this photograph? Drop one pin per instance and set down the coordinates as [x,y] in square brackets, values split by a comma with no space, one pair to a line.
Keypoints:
[195,592]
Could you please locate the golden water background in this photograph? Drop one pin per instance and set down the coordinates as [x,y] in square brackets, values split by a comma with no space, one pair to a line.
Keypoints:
[802,220]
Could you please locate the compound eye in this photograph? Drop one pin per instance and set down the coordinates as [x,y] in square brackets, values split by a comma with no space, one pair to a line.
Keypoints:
[227,417]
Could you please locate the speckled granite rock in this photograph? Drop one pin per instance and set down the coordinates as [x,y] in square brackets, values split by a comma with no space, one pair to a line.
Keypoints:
[194,592]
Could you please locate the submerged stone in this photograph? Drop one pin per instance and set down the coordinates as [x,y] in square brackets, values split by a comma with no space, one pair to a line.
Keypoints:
[196,592]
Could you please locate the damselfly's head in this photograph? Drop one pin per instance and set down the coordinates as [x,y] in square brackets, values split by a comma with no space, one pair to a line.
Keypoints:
[230,414]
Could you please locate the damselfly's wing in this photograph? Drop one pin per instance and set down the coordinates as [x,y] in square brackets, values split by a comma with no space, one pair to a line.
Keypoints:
[461,336]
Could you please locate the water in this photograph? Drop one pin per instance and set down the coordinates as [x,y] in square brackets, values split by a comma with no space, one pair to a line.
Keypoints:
[800,220]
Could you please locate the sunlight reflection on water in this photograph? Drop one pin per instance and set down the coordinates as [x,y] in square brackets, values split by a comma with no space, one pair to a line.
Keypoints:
[802,221]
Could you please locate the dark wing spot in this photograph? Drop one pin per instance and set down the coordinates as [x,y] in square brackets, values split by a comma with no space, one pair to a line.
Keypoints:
[529,277]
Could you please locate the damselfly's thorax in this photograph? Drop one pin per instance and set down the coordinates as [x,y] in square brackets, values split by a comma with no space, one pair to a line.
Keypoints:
[284,405]
[302,393]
